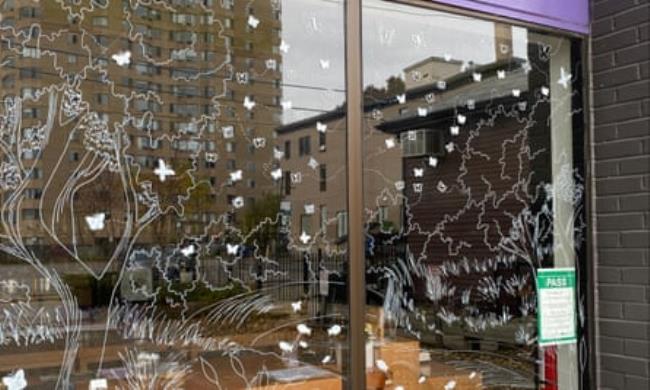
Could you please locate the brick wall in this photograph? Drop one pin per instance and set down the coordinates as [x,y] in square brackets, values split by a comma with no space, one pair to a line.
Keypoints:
[621,112]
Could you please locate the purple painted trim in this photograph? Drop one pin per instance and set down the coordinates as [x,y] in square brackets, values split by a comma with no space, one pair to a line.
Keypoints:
[570,15]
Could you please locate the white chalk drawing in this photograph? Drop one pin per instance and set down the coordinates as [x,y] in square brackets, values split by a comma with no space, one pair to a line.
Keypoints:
[170,218]
[15,381]
[253,21]
[325,64]
[565,78]
[122,58]
[96,221]
[249,103]
[284,47]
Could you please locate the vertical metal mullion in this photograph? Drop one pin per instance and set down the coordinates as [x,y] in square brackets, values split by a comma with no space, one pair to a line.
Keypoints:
[356,376]
[591,259]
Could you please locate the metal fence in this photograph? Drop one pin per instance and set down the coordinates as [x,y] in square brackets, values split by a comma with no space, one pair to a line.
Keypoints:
[288,276]
[292,276]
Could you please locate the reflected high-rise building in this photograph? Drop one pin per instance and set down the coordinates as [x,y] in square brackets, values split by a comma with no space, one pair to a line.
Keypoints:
[163,84]
[124,127]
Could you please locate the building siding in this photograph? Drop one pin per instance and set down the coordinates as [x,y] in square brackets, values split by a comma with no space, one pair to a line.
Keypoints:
[621,161]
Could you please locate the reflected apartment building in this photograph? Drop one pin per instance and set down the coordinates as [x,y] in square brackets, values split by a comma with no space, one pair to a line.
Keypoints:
[314,179]
[477,150]
[186,76]
[159,85]
[175,194]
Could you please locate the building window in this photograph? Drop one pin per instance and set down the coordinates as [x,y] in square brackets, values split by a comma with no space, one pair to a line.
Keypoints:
[30,154]
[31,52]
[8,5]
[36,173]
[8,81]
[322,177]
[101,40]
[30,214]
[341,224]
[153,144]
[33,193]
[304,146]
[28,73]
[287,150]
[30,12]
[102,98]
[286,179]
[422,142]
[382,214]
[227,4]
[323,218]
[305,223]
[100,21]
[27,93]
[322,141]
[32,112]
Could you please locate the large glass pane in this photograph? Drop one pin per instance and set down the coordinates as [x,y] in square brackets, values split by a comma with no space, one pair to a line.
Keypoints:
[173,187]
[472,194]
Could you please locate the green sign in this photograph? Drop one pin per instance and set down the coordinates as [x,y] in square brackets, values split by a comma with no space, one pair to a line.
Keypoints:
[556,313]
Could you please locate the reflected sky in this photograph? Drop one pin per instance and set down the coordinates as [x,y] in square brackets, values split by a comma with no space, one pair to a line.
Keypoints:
[394,37]
[314,84]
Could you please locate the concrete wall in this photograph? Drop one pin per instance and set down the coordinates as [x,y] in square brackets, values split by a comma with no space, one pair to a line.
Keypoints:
[621,116]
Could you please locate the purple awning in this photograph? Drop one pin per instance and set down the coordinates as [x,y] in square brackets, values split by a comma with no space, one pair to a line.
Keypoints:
[570,15]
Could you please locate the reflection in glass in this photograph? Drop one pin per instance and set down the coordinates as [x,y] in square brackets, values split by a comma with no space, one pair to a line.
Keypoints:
[173,194]
[470,188]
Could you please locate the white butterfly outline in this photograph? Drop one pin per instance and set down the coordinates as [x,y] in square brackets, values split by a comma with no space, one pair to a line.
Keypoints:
[122,58]
[236,175]
[276,174]
[324,64]
[253,21]
[96,221]
[249,103]
[232,249]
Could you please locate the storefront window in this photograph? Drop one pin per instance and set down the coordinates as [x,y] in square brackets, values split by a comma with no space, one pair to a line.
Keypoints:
[175,190]
[473,192]
[158,230]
